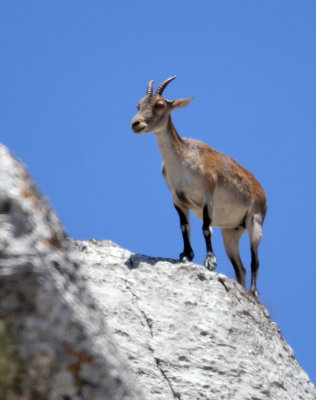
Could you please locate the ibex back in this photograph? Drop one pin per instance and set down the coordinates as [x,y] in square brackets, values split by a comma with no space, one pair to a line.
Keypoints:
[215,187]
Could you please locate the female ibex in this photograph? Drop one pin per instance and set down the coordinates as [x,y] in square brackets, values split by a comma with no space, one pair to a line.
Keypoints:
[215,187]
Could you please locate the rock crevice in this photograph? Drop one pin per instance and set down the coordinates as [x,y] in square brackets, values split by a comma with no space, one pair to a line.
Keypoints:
[149,323]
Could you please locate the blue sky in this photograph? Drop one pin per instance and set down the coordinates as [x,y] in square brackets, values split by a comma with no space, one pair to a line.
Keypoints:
[71,74]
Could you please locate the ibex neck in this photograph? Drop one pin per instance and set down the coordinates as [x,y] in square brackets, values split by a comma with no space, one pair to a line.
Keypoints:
[169,141]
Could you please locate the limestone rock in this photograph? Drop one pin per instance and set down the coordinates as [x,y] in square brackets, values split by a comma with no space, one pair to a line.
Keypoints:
[54,343]
[191,334]
[173,330]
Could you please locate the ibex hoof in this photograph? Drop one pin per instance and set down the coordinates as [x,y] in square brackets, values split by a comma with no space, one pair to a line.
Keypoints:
[186,257]
[210,262]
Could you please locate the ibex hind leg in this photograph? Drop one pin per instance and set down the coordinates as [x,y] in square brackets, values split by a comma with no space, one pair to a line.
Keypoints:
[255,234]
[231,242]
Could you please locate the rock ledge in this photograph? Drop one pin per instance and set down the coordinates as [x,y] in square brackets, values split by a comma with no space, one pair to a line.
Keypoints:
[189,333]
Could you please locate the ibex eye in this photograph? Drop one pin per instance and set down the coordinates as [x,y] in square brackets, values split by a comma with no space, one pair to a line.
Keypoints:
[159,105]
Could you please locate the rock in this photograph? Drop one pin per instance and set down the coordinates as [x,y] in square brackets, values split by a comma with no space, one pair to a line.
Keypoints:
[173,330]
[189,333]
[54,343]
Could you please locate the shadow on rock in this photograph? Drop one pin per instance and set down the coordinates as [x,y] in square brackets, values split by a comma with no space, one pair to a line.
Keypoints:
[135,260]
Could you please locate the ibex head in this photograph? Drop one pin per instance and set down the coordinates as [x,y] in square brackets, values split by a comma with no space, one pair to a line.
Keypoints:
[154,109]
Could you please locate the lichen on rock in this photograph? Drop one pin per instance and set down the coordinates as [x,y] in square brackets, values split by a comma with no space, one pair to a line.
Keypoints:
[10,365]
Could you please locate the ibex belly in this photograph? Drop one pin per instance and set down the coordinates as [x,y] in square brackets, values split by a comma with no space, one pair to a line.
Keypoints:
[188,190]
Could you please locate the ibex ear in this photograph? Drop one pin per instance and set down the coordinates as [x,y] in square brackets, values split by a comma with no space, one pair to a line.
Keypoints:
[179,103]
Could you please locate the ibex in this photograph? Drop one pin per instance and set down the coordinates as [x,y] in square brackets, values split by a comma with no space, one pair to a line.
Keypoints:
[218,190]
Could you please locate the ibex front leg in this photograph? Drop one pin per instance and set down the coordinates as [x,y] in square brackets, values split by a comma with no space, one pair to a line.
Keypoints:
[187,254]
[210,259]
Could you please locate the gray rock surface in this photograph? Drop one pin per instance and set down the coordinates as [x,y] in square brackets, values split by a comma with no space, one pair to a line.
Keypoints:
[191,334]
[54,343]
[174,330]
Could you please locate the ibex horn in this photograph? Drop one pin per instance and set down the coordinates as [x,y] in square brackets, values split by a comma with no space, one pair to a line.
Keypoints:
[149,91]
[162,87]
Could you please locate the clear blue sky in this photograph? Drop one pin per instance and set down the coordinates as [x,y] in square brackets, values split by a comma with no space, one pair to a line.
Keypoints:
[71,73]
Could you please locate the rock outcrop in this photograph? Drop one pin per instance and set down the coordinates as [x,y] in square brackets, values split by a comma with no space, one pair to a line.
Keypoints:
[189,333]
[90,320]
[54,343]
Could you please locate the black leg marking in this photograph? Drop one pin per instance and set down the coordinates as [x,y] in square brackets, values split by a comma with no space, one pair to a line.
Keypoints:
[187,254]
[210,259]
[254,272]
[206,230]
